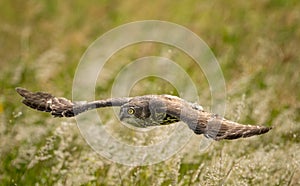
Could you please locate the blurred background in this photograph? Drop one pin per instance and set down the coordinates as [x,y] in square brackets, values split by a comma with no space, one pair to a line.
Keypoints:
[255,42]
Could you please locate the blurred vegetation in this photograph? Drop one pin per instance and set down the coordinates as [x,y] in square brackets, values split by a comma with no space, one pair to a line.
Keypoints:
[255,42]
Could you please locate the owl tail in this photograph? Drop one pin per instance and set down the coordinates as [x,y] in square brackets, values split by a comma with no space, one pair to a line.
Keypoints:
[220,129]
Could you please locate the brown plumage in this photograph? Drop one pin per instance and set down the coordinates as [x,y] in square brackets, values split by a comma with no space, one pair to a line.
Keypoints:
[148,110]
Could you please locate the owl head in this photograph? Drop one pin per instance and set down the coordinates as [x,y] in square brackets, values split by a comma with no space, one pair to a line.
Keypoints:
[135,113]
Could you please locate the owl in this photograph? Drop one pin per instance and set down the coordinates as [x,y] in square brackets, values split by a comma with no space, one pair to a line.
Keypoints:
[148,111]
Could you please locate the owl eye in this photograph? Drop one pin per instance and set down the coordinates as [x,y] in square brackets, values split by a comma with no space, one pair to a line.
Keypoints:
[130,111]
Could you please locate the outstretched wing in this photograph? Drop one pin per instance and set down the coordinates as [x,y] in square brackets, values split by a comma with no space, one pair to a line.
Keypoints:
[62,107]
[219,129]
[59,107]
[206,123]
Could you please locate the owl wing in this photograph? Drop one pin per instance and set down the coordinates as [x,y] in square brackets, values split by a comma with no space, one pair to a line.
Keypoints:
[219,129]
[208,124]
[62,107]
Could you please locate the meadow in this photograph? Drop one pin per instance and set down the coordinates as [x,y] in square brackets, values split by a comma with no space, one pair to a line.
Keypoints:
[255,42]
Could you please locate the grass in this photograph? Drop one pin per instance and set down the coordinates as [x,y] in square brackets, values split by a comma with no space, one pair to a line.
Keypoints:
[255,42]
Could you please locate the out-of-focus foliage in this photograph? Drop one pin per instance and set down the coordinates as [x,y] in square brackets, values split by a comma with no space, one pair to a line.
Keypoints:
[255,42]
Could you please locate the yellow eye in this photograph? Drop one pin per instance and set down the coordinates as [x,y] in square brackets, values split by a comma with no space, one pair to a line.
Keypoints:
[130,111]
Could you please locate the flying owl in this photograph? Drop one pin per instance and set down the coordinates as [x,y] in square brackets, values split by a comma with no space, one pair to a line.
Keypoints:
[148,110]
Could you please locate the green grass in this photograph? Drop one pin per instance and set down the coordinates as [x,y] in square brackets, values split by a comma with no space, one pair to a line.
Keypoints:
[255,42]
